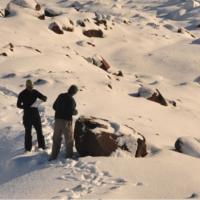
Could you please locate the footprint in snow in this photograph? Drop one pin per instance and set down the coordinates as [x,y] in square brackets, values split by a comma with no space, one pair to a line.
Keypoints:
[88,179]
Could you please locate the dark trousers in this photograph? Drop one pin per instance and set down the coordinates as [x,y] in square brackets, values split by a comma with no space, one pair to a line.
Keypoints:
[32,119]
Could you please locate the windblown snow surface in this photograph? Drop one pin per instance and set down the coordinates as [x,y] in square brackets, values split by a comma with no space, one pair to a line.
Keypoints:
[142,40]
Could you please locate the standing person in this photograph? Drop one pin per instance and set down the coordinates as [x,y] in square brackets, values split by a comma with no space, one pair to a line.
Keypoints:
[65,108]
[26,101]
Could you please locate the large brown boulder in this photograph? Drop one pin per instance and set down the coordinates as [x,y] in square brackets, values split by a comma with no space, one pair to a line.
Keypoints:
[100,137]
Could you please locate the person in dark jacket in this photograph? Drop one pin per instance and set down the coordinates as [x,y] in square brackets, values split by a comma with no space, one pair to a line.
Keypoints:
[26,101]
[65,108]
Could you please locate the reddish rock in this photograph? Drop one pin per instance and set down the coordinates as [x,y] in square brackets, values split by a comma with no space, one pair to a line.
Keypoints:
[55,27]
[37,7]
[104,64]
[41,17]
[93,137]
[157,97]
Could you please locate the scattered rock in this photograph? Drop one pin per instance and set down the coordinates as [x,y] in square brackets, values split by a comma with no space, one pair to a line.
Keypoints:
[120,73]
[27,4]
[3,54]
[153,25]
[183,30]
[94,33]
[55,27]
[91,44]
[48,12]
[99,61]
[152,95]
[41,17]
[110,86]
[11,75]
[197,79]
[81,23]
[99,22]
[194,196]
[188,145]
[4,12]
[27,76]
[104,64]
[100,137]
[40,82]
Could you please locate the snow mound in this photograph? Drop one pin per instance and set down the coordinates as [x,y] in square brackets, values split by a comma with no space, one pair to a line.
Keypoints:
[188,145]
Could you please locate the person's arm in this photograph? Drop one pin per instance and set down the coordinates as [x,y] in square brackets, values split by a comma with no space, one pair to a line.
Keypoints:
[74,111]
[19,102]
[56,103]
[41,96]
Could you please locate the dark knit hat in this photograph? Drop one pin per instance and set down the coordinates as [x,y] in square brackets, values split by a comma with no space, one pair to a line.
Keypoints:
[73,89]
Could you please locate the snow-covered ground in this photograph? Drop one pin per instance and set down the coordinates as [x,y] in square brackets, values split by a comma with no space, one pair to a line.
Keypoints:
[141,39]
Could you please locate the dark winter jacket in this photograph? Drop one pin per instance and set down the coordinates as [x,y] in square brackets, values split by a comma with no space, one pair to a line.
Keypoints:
[65,107]
[26,99]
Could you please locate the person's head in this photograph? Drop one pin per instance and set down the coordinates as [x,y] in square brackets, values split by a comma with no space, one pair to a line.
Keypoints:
[29,85]
[73,89]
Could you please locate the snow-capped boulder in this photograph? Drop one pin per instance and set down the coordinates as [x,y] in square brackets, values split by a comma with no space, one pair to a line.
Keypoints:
[188,145]
[99,61]
[152,95]
[27,4]
[49,12]
[56,27]
[100,137]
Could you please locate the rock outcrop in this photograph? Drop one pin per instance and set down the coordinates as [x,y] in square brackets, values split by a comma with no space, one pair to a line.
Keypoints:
[100,137]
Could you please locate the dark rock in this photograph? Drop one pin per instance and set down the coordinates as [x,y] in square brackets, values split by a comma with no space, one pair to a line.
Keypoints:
[91,44]
[40,82]
[93,33]
[110,86]
[11,75]
[55,27]
[4,12]
[93,137]
[41,17]
[157,97]
[152,95]
[120,73]
[27,76]
[142,148]
[51,13]
[3,54]
[37,7]
[81,23]
[104,64]
[101,22]
[69,29]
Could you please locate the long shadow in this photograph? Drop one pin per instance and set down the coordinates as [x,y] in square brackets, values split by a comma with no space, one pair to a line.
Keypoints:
[15,163]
